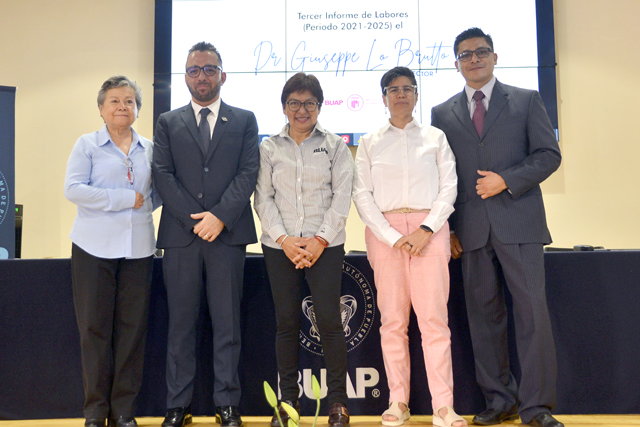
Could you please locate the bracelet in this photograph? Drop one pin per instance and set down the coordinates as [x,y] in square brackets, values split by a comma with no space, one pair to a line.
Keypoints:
[285,238]
[322,240]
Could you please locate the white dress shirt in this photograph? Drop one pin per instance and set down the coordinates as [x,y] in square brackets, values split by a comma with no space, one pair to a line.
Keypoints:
[396,168]
[486,89]
[304,190]
[213,115]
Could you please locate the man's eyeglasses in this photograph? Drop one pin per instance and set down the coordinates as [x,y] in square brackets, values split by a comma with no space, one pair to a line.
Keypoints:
[481,52]
[406,90]
[129,164]
[310,106]
[209,70]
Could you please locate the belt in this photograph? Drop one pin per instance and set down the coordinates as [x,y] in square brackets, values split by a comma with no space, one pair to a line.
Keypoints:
[407,210]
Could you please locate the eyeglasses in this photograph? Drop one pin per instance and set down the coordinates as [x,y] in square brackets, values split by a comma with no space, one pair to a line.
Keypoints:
[406,90]
[310,106]
[209,70]
[481,52]
[129,164]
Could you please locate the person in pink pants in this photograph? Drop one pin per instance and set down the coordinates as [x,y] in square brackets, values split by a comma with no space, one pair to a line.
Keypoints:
[404,191]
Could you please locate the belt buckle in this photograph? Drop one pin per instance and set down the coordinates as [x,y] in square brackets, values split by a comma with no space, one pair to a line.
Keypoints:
[405,210]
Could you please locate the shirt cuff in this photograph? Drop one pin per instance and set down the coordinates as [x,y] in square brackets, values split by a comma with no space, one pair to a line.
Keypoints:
[391,236]
[433,225]
[122,198]
[276,231]
[327,233]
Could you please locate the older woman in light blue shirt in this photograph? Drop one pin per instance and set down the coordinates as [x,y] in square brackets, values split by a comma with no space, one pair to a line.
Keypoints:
[109,178]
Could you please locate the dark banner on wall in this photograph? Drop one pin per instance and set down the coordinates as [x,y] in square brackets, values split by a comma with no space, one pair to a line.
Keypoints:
[7,171]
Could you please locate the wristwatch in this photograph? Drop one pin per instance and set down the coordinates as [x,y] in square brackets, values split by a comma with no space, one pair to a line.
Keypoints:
[425,228]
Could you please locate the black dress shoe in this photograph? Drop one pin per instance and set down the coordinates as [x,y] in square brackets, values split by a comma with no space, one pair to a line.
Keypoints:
[545,419]
[94,422]
[283,414]
[125,422]
[493,416]
[228,416]
[178,417]
[338,415]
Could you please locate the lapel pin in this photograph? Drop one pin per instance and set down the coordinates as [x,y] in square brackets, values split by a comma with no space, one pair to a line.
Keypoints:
[224,119]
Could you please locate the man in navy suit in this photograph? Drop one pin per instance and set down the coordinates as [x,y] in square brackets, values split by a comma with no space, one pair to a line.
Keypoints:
[205,167]
[505,147]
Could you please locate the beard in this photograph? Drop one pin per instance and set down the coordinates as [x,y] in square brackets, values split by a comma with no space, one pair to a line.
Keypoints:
[208,96]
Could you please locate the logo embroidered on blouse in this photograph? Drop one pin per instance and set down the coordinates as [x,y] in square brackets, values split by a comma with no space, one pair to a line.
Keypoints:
[321,150]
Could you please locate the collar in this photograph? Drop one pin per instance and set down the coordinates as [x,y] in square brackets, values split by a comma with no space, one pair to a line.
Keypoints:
[214,107]
[487,89]
[389,127]
[317,128]
[104,137]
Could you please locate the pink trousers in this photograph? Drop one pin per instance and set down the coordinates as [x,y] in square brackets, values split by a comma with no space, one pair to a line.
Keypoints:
[403,281]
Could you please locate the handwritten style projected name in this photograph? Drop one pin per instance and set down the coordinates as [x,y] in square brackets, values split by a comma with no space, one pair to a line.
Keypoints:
[402,54]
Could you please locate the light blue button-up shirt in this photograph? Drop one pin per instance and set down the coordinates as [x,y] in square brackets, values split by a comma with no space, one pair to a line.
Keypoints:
[97,180]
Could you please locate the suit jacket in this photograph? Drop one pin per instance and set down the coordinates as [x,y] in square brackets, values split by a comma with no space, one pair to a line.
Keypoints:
[220,182]
[519,144]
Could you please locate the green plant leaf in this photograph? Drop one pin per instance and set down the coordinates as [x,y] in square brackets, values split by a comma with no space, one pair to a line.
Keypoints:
[315,386]
[316,392]
[293,414]
[271,396]
[292,423]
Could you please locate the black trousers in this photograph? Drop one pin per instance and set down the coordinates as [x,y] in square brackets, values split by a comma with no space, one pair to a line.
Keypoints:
[522,266]
[222,267]
[111,299]
[325,280]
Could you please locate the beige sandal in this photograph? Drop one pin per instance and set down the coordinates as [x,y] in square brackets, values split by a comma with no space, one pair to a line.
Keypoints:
[395,411]
[449,419]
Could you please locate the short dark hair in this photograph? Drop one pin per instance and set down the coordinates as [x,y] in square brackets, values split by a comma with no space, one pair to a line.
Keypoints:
[300,82]
[204,47]
[471,33]
[394,73]
[114,82]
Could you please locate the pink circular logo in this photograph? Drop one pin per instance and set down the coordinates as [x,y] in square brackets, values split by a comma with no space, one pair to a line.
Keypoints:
[355,102]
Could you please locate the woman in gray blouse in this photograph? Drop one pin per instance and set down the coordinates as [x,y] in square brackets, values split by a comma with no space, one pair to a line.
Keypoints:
[303,199]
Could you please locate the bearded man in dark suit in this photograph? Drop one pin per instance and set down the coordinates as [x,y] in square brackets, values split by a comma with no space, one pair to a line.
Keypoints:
[505,147]
[205,166]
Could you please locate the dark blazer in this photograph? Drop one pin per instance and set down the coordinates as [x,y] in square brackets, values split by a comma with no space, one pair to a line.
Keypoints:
[519,144]
[220,182]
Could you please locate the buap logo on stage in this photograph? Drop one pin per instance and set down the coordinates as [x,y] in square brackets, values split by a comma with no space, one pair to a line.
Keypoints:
[357,310]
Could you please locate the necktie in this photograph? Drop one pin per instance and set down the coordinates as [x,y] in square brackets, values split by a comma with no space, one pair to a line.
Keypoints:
[479,112]
[205,130]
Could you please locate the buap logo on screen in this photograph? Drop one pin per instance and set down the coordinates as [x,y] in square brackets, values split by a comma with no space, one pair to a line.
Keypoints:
[355,102]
